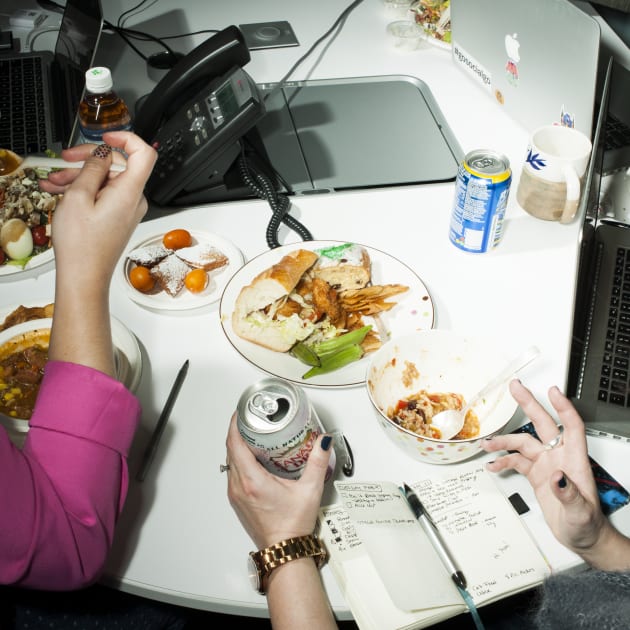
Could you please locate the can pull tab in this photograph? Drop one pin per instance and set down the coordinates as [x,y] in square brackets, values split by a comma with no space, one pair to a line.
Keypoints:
[269,407]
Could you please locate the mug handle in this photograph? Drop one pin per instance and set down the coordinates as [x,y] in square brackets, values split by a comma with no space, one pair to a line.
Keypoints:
[573,194]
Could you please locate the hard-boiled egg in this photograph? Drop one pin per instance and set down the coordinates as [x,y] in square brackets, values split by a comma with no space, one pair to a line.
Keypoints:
[16,239]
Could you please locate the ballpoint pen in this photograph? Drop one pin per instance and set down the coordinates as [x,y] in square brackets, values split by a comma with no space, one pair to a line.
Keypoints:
[434,536]
[151,448]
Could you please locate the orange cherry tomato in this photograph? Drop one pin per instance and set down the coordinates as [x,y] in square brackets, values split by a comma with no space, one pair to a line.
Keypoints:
[196,280]
[141,279]
[176,239]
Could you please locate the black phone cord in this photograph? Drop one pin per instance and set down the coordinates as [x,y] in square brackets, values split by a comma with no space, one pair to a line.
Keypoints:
[280,204]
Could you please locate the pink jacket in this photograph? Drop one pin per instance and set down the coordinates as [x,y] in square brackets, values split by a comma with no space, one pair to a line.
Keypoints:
[60,496]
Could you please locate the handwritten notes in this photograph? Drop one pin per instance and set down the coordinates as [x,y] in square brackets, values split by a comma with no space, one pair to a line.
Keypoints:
[477,522]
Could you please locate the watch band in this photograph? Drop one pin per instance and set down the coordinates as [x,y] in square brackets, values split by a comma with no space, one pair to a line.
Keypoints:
[274,556]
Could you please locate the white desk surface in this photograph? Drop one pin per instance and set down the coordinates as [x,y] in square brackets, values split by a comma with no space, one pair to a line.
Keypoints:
[179,539]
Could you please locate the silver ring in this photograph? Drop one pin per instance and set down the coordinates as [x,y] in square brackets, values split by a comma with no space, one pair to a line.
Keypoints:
[224,467]
[557,441]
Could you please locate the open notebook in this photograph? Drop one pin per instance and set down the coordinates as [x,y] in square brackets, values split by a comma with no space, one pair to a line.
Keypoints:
[599,379]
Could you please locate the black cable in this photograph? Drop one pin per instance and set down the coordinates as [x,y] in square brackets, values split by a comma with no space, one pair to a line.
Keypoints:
[342,17]
[280,204]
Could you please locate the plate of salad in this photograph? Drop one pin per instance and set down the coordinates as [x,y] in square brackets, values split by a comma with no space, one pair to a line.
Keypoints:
[25,218]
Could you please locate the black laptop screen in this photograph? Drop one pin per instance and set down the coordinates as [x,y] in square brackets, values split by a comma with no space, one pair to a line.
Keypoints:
[74,53]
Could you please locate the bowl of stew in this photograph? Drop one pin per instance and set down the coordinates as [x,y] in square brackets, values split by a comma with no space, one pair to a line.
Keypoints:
[415,376]
[23,357]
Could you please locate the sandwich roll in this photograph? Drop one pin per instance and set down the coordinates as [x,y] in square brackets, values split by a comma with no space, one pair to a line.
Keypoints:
[344,267]
[255,316]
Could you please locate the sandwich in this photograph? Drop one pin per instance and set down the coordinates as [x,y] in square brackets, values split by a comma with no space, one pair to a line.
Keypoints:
[344,267]
[269,312]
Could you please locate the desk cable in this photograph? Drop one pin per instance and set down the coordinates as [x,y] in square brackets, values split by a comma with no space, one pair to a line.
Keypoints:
[262,186]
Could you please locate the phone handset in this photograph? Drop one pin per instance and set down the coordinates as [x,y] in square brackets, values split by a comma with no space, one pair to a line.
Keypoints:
[224,50]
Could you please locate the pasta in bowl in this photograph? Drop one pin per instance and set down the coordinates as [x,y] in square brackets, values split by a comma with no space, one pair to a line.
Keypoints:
[412,378]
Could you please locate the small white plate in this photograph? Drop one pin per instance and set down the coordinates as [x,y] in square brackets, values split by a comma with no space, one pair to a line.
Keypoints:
[185,300]
[413,311]
[128,359]
[34,263]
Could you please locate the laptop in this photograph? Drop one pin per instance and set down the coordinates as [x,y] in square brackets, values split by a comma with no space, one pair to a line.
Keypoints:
[599,371]
[536,58]
[40,91]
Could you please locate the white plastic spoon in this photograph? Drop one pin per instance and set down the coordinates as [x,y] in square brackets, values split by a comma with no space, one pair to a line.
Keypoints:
[8,161]
[451,421]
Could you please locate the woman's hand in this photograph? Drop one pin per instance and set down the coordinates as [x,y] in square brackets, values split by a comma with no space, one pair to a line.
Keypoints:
[271,508]
[90,229]
[561,476]
[99,211]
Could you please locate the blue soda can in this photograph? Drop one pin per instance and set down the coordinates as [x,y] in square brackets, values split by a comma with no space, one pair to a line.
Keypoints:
[481,194]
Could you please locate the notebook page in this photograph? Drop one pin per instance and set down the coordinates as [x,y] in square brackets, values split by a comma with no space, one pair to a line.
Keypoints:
[360,583]
[483,531]
[403,556]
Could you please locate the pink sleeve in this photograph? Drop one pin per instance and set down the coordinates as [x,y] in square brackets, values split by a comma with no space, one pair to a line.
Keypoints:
[62,494]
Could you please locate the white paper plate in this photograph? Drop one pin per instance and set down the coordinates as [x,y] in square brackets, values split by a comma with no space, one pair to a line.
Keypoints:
[185,300]
[34,263]
[127,355]
[413,311]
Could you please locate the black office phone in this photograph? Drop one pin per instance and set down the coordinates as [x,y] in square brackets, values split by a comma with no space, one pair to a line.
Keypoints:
[196,118]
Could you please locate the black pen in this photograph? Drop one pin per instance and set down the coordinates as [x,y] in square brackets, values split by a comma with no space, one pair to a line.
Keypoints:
[151,448]
[434,536]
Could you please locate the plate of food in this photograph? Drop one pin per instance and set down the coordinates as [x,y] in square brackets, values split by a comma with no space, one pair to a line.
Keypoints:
[434,16]
[178,269]
[25,218]
[24,340]
[312,312]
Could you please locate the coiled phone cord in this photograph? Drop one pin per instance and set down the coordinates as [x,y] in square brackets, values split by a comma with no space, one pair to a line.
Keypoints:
[280,204]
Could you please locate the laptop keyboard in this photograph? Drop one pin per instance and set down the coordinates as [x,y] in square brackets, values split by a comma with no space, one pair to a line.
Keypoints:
[22,117]
[617,133]
[614,385]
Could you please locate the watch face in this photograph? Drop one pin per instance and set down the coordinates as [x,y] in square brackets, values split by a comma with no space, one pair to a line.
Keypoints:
[254,576]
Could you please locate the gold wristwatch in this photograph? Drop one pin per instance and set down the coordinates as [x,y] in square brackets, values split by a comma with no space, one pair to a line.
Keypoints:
[262,562]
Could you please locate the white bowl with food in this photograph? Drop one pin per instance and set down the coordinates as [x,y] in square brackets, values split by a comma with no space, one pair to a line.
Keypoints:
[23,356]
[417,375]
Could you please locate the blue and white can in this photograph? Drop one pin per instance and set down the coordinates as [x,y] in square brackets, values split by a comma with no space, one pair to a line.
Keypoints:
[481,194]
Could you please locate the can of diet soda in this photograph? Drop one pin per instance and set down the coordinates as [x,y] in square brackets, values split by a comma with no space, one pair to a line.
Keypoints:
[481,194]
[280,426]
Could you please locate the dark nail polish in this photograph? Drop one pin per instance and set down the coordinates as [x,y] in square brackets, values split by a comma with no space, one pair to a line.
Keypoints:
[562,482]
[326,442]
[102,151]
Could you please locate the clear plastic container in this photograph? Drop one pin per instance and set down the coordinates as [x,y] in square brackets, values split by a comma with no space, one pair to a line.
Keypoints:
[406,35]
[398,9]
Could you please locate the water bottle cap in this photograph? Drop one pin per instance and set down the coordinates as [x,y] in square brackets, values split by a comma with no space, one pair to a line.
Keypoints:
[98,80]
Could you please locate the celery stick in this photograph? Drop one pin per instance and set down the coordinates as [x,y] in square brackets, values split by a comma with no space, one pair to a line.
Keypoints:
[331,362]
[305,354]
[354,337]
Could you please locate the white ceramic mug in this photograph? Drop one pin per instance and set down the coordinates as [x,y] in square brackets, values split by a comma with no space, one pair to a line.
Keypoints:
[550,184]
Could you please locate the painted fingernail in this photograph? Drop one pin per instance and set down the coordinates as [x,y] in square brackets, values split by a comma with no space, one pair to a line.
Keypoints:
[326,442]
[102,151]
[562,482]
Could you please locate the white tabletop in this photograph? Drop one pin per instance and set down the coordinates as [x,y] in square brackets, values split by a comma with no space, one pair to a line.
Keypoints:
[178,539]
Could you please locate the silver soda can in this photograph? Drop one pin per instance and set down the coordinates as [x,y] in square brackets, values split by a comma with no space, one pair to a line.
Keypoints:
[280,426]
[481,194]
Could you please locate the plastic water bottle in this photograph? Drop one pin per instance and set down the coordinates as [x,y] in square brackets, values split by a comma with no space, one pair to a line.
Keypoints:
[101,109]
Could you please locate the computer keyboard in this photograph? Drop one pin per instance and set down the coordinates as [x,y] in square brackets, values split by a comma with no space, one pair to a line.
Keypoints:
[617,133]
[22,117]
[615,382]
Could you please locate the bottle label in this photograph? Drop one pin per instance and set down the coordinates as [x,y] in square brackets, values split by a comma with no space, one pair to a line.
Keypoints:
[95,136]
